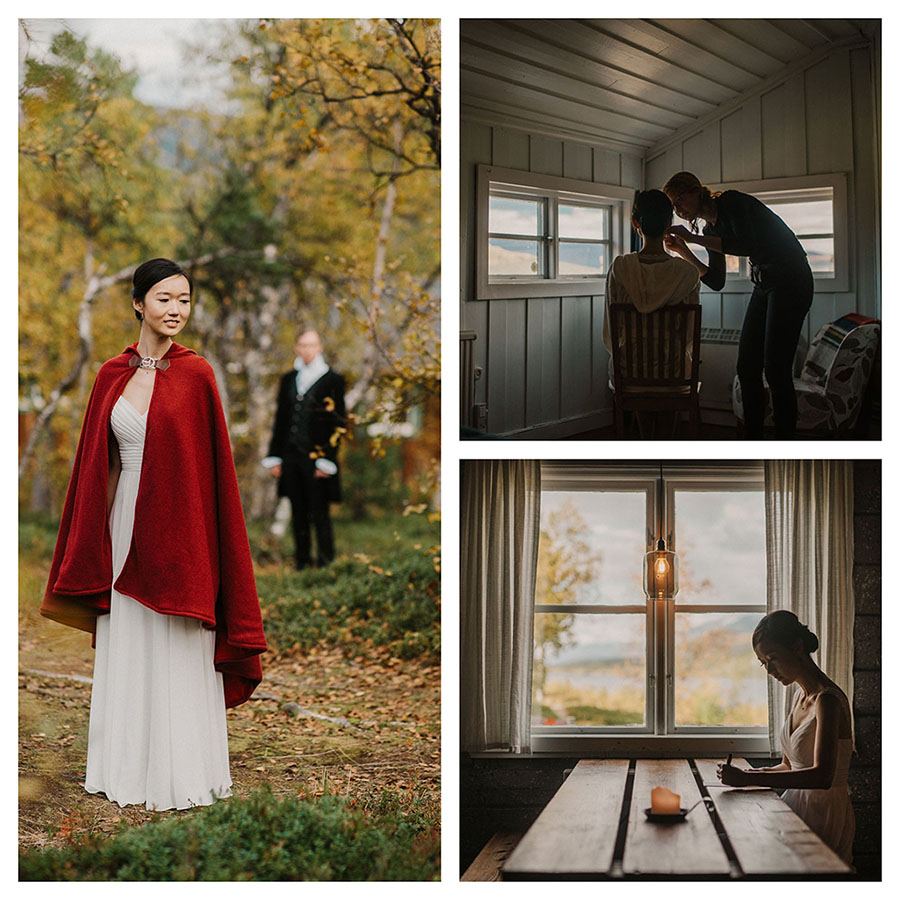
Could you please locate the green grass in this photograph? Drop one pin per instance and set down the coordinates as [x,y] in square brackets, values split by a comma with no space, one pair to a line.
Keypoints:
[384,587]
[260,838]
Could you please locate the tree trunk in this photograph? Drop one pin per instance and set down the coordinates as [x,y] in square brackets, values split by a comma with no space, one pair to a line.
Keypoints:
[371,358]
[93,285]
[262,323]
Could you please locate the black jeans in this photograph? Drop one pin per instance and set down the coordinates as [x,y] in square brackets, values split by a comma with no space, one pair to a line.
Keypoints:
[310,507]
[771,330]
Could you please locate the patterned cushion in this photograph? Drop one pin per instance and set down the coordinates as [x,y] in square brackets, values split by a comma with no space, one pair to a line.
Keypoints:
[834,377]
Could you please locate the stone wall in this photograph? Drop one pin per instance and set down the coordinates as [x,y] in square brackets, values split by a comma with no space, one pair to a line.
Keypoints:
[865,769]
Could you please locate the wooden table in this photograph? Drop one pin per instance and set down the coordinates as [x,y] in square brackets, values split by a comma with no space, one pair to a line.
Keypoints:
[595,828]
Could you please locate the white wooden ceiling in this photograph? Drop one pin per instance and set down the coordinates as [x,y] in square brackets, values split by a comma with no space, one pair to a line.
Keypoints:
[630,83]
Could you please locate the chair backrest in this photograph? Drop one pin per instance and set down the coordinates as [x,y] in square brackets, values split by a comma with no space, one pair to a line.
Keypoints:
[655,350]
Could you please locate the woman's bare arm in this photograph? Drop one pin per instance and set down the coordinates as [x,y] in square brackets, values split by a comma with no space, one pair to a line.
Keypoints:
[710,241]
[677,245]
[783,766]
[820,774]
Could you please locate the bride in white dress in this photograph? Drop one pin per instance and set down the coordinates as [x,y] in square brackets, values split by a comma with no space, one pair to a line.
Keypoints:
[816,737]
[157,732]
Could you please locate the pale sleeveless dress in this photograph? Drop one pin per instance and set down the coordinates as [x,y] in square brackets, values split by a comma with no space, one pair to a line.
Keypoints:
[157,733]
[828,813]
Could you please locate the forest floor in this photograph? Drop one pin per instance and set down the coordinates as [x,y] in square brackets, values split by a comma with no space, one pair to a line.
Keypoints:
[351,720]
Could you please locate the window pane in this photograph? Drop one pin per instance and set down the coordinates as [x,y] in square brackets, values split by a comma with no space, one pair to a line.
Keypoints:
[582,259]
[807,216]
[820,253]
[511,256]
[718,680]
[589,669]
[511,215]
[592,547]
[721,545]
[583,222]
[732,265]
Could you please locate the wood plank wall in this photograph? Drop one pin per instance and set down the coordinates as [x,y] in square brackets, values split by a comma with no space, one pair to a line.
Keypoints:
[818,121]
[543,360]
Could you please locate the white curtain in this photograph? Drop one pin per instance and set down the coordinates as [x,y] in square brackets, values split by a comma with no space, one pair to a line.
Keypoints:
[500,527]
[809,551]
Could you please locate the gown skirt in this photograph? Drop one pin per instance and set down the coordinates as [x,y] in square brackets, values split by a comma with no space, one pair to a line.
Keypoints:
[157,733]
[828,812]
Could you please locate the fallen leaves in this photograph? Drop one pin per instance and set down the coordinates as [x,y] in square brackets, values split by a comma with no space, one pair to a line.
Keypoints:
[370,725]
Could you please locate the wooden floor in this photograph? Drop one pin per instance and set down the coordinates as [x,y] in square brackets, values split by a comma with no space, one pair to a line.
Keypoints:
[707,433]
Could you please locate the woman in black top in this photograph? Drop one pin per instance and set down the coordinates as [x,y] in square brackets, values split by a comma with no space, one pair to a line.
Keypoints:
[738,224]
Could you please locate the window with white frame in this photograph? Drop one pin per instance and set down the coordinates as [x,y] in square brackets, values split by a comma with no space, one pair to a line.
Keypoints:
[539,235]
[815,209]
[610,662]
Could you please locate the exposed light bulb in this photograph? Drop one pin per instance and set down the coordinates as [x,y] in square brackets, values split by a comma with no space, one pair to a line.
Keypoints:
[662,567]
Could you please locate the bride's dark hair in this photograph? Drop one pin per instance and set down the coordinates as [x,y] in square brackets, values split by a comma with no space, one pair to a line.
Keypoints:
[653,212]
[152,272]
[783,628]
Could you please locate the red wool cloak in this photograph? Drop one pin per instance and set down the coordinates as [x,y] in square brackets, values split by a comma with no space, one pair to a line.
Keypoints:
[189,553]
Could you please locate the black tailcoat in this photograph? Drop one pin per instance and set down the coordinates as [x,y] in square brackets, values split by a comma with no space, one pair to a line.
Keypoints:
[305,425]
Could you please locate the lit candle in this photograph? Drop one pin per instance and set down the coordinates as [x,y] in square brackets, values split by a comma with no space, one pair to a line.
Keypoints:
[664,803]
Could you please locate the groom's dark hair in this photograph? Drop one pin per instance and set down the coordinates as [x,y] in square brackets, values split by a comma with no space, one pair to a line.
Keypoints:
[653,212]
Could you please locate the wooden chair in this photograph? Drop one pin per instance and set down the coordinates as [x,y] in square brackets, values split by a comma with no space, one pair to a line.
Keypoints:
[656,363]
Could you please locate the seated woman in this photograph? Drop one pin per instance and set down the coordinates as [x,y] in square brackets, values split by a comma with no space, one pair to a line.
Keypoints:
[650,278]
[816,736]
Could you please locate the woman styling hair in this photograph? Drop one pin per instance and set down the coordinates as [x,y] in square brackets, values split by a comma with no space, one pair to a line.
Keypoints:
[738,224]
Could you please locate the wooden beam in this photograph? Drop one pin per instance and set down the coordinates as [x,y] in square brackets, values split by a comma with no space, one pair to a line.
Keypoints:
[757,90]
[492,112]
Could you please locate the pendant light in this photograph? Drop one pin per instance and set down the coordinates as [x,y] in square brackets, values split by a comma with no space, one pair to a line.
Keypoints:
[660,565]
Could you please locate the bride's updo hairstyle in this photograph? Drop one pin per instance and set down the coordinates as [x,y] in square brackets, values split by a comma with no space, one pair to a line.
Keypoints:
[653,212]
[784,629]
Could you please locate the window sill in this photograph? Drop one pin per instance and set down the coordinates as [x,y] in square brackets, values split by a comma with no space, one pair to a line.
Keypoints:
[515,290]
[653,745]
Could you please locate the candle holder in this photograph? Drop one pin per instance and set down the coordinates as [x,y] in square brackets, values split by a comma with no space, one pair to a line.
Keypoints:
[671,818]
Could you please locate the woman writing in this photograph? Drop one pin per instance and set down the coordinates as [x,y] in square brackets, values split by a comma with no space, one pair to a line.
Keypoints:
[152,559]
[816,737]
[738,224]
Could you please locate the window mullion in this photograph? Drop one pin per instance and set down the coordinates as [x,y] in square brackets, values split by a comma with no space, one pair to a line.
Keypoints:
[553,237]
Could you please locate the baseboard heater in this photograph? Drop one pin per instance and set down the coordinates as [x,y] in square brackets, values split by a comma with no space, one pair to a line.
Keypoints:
[720,335]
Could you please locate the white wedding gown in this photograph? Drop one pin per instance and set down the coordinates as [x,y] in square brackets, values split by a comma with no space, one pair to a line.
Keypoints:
[828,813]
[157,733]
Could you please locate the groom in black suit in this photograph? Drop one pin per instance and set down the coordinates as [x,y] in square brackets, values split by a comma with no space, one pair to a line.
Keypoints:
[310,419]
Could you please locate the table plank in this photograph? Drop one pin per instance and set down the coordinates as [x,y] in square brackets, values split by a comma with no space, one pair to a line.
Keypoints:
[575,834]
[768,837]
[691,847]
